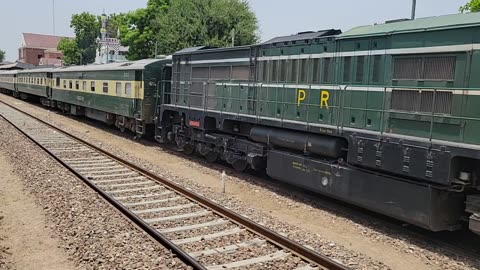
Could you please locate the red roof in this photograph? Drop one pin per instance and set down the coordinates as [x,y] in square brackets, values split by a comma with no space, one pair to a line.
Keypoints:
[41,41]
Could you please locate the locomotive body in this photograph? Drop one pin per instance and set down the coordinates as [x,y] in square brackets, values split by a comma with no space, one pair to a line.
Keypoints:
[381,116]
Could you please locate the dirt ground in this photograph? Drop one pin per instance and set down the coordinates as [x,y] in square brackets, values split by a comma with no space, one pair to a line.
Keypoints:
[25,238]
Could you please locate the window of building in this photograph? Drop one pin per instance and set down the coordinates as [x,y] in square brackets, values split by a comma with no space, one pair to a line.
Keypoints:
[105,87]
[118,88]
[359,70]
[347,64]
[128,89]
[92,86]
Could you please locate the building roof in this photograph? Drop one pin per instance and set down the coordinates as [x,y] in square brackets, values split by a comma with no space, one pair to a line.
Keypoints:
[41,41]
[5,63]
[309,35]
[50,62]
[17,65]
[419,25]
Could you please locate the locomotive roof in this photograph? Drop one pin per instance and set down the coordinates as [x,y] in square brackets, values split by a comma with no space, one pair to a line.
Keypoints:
[423,24]
[303,36]
[131,65]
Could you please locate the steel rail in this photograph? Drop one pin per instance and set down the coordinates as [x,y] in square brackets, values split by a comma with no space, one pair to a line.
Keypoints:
[301,251]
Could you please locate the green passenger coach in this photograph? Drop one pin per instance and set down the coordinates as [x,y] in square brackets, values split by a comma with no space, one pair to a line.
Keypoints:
[123,94]
[384,116]
[7,81]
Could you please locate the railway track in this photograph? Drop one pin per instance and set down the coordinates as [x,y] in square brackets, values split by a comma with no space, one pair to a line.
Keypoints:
[202,233]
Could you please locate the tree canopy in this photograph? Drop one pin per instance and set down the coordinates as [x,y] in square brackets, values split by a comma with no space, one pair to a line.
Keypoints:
[471,6]
[81,49]
[2,55]
[166,26]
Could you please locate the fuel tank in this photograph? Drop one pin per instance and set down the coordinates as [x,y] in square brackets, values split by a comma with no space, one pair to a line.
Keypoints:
[317,144]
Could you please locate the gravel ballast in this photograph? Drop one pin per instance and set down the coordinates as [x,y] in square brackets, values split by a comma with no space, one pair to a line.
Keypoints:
[93,233]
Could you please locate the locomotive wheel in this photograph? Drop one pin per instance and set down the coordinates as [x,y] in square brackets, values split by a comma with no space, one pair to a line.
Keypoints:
[188,149]
[240,165]
[211,157]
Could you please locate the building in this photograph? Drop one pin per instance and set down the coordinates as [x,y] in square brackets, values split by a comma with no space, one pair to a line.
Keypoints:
[15,66]
[37,49]
[109,48]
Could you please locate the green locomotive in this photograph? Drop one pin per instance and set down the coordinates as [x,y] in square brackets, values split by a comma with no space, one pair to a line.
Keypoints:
[384,116]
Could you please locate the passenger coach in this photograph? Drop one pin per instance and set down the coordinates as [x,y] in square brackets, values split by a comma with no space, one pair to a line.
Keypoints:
[123,94]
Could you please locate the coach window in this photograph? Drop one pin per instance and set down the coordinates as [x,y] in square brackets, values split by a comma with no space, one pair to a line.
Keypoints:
[92,86]
[118,88]
[128,89]
[77,85]
[70,84]
[105,87]
[57,82]
[84,85]
[65,84]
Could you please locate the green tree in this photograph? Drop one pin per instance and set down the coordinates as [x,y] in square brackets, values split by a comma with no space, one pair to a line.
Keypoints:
[71,53]
[472,6]
[2,55]
[81,49]
[171,25]
[138,33]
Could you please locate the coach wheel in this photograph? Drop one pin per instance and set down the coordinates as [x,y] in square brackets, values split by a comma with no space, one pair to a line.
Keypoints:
[211,157]
[122,129]
[188,149]
[240,165]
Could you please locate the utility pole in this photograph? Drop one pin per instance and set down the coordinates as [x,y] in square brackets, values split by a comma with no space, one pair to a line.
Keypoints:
[233,37]
[414,7]
[53,16]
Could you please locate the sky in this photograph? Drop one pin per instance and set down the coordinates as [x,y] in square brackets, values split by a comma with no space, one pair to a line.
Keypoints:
[276,17]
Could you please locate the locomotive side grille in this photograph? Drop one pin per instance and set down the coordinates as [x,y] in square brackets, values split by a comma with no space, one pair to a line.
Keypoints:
[434,68]
[422,101]
[405,100]
[440,68]
[407,68]
[443,102]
